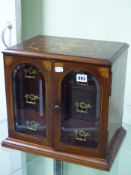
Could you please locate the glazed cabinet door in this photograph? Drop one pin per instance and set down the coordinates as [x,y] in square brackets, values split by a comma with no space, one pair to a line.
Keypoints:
[80,107]
[27,91]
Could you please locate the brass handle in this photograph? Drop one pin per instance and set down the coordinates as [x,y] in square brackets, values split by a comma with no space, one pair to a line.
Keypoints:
[31,72]
[31,98]
[82,107]
[81,135]
[32,125]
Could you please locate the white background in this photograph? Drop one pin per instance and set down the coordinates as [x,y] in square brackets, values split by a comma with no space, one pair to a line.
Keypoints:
[10,160]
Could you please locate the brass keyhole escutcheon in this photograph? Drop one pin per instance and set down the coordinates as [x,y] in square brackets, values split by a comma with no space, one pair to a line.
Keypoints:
[55,107]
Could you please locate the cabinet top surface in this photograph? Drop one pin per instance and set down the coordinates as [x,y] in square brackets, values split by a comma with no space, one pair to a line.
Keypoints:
[41,46]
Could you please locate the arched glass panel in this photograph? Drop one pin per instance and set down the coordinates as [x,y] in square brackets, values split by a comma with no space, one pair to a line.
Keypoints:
[29,100]
[80,109]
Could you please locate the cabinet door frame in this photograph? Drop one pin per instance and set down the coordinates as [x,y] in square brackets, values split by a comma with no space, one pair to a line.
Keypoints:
[102,74]
[10,63]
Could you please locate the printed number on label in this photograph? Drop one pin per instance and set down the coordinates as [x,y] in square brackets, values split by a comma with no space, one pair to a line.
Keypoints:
[81,78]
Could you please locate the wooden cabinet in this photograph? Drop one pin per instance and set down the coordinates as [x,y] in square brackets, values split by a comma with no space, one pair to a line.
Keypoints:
[65,98]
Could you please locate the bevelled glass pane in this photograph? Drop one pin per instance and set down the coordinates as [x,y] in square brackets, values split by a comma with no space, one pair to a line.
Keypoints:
[29,100]
[80,109]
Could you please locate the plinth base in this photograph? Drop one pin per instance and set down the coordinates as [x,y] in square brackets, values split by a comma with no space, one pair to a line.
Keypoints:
[98,163]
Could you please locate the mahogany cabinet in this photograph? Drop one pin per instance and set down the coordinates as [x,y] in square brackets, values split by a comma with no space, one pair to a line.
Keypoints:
[65,98]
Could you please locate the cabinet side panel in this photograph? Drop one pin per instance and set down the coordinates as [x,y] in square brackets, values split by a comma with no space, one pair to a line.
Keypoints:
[116,100]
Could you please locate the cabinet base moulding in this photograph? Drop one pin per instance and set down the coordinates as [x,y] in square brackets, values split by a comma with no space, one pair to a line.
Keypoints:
[99,163]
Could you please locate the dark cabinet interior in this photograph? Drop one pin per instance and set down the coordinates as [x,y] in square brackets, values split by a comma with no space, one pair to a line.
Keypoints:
[29,100]
[80,109]
[61,98]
